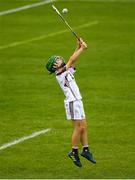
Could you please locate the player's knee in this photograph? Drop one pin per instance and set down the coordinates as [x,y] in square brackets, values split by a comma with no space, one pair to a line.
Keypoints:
[83,127]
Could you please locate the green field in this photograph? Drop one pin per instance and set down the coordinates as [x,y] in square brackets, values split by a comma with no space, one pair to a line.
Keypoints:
[31,100]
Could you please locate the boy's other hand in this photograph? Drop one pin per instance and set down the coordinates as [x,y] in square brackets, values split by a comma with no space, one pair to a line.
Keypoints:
[83,44]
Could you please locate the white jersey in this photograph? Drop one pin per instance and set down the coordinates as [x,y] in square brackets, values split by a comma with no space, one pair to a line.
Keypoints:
[68,84]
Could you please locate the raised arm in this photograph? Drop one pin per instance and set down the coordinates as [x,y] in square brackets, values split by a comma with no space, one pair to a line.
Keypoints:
[81,46]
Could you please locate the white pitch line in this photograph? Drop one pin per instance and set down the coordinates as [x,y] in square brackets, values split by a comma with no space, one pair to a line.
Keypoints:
[24,138]
[45,36]
[25,7]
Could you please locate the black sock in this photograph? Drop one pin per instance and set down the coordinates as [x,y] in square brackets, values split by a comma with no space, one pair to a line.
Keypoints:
[85,149]
[75,150]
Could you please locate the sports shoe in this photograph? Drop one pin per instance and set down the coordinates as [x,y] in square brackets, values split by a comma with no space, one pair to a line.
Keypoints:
[88,155]
[75,158]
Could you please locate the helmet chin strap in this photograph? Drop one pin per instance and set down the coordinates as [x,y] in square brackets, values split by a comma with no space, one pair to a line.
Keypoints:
[62,65]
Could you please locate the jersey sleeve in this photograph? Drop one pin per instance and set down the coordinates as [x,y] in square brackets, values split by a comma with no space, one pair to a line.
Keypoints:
[72,70]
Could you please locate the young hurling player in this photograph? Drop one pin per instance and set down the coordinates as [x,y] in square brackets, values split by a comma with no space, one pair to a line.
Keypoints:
[73,102]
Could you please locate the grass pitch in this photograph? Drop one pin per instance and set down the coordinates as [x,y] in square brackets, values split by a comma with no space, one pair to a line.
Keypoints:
[31,100]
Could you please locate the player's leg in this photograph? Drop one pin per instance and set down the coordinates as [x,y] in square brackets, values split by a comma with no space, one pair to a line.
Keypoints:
[75,140]
[83,136]
[76,133]
[84,141]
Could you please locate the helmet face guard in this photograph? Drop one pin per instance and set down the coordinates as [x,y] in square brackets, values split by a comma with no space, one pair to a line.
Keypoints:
[51,61]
